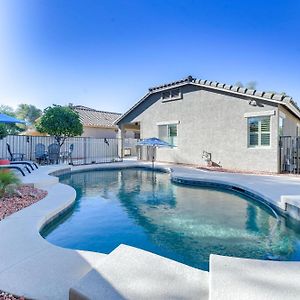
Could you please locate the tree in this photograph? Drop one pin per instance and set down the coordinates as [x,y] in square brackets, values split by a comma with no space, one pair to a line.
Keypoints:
[28,112]
[61,122]
[5,109]
[3,131]
[250,85]
[11,128]
[239,84]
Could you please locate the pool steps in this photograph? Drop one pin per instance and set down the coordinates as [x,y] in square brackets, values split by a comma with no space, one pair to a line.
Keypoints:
[251,279]
[131,273]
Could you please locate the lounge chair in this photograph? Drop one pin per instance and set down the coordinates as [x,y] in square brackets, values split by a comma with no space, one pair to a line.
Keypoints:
[20,168]
[32,165]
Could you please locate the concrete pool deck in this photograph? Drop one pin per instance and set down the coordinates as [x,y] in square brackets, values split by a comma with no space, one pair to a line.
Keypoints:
[282,192]
[31,266]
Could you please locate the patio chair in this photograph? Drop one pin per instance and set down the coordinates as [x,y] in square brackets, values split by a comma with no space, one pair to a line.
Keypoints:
[14,156]
[40,153]
[53,153]
[18,159]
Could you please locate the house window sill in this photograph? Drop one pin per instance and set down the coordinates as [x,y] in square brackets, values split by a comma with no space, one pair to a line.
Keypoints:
[259,147]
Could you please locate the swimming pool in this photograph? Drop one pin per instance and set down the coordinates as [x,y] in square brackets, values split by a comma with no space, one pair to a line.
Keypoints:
[142,208]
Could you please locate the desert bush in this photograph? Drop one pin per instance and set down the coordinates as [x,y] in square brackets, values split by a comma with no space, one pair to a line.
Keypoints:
[8,179]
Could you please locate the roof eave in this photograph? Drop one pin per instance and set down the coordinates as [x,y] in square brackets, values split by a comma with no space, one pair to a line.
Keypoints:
[292,108]
[287,104]
[116,122]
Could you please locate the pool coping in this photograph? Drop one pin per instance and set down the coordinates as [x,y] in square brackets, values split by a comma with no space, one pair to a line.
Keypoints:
[21,261]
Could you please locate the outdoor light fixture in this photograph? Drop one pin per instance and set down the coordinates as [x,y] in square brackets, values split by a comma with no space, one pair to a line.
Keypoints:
[253,102]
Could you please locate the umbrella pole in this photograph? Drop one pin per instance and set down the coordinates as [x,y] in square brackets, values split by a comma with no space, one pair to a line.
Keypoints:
[153,158]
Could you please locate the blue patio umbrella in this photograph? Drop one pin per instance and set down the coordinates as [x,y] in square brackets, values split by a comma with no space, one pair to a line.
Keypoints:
[9,120]
[154,143]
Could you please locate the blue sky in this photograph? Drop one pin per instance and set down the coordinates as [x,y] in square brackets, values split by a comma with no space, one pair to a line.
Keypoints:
[106,54]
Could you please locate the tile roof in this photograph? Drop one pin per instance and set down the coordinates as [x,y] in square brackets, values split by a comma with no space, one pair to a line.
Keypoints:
[228,88]
[96,118]
[217,86]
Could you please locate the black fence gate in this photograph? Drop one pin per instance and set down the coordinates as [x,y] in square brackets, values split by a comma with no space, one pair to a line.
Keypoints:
[289,151]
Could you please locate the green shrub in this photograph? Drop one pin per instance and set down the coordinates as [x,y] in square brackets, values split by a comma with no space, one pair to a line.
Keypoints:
[3,131]
[7,178]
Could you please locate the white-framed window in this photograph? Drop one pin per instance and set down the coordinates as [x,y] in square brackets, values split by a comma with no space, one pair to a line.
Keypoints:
[259,131]
[171,94]
[168,133]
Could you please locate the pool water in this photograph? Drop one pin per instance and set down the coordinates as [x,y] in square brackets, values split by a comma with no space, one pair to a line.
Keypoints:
[145,209]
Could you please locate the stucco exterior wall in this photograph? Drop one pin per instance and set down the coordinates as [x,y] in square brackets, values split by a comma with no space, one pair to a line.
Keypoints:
[108,133]
[212,122]
[290,122]
[97,132]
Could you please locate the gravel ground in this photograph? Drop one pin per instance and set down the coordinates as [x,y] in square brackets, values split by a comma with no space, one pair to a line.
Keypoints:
[6,296]
[219,169]
[26,196]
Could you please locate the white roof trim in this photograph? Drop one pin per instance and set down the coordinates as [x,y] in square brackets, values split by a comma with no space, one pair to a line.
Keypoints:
[132,108]
[260,113]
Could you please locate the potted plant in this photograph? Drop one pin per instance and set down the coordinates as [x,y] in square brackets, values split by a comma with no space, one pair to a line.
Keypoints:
[3,134]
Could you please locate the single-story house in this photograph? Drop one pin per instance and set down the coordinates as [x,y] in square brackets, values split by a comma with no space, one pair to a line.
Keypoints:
[221,124]
[100,124]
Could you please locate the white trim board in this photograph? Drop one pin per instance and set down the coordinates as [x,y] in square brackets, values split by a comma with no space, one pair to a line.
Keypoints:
[168,123]
[260,114]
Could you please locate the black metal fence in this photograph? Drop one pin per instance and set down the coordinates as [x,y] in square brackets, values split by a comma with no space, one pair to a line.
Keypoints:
[289,151]
[86,150]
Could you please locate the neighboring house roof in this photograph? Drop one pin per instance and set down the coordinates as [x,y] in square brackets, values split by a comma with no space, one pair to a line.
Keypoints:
[217,86]
[90,117]
[32,132]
